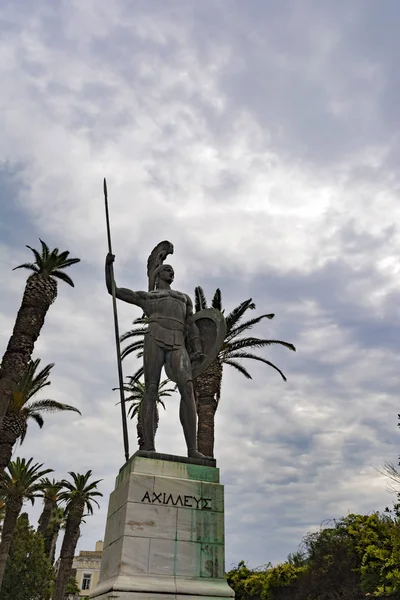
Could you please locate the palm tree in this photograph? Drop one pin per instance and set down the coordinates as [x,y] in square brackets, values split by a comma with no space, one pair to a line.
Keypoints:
[57,521]
[51,490]
[234,349]
[21,409]
[77,495]
[22,482]
[135,389]
[40,292]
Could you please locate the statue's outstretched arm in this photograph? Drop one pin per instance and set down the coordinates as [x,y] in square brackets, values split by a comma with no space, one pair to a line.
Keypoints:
[137,298]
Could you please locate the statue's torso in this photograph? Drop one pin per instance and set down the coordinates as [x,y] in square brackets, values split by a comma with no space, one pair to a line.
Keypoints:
[167,310]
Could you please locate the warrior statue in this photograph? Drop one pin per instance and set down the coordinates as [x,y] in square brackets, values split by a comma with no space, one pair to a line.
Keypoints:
[182,342]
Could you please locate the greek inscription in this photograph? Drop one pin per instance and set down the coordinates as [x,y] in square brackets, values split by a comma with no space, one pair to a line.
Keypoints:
[197,501]
[206,501]
[188,501]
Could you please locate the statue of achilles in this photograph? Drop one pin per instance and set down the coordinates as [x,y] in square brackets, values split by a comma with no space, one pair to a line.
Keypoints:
[172,340]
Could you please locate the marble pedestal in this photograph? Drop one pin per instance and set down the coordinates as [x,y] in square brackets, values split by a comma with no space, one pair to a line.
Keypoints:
[164,536]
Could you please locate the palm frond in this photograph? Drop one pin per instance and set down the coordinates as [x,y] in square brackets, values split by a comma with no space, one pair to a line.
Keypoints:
[133,333]
[166,393]
[49,405]
[33,382]
[38,257]
[79,490]
[139,373]
[251,342]
[235,331]
[135,377]
[21,479]
[45,250]
[200,301]
[238,367]
[126,387]
[30,266]
[241,355]
[133,410]
[63,276]
[136,390]
[63,264]
[23,433]
[36,416]
[51,263]
[132,348]
[217,300]
[237,313]
[138,345]
[63,257]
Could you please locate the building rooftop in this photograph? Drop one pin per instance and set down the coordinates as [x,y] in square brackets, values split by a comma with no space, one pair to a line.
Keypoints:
[90,554]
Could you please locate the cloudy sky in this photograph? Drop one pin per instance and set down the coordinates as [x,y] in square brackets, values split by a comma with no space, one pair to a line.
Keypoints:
[262,139]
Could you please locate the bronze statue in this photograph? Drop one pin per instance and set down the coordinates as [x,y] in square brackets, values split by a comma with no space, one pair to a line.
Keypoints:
[183,342]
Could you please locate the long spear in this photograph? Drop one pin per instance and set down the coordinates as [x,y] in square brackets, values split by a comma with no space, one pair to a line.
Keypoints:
[116,328]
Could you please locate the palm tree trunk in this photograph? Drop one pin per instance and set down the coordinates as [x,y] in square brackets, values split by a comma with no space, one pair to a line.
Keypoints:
[53,544]
[7,441]
[206,409]
[68,547]
[39,293]
[10,520]
[52,532]
[207,387]
[44,518]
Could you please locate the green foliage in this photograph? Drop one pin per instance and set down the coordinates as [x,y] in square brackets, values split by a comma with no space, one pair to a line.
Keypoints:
[79,490]
[72,587]
[266,583]
[22,481]
[23,408]
[57,521]
[29,574]
[241,579]
[356,557]
[284,575]
[136,389]
[356,553]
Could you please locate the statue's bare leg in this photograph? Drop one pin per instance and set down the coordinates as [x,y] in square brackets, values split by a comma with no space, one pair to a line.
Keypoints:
[153,360]
[180,365]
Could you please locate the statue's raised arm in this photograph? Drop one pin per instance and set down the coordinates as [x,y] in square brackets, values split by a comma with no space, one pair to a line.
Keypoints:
[138,298]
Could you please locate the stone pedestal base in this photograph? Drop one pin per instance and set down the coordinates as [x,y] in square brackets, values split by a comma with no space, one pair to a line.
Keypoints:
[165,532]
